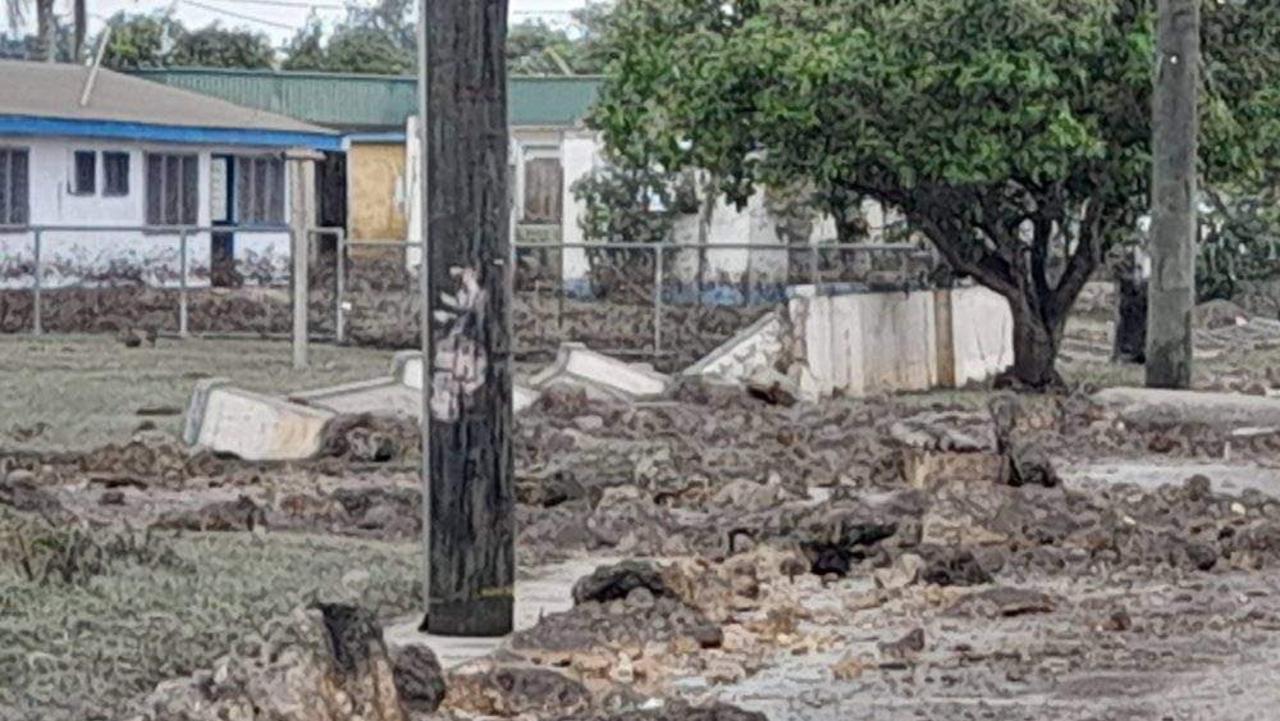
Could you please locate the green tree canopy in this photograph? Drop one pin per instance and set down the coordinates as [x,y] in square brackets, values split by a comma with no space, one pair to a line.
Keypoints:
[159,40]
[377,39]
[1014,134]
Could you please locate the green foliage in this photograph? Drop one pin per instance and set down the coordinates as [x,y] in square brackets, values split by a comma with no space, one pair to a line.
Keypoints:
[631,205]
[1239,235]
[379,39]
[1014,134]
[159,40]
[537,48]
[139,41]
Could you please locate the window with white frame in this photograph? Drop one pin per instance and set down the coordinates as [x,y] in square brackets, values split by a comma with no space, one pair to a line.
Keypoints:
[115,174]
[84,172]
[14,203]
[172,189]
[259,190]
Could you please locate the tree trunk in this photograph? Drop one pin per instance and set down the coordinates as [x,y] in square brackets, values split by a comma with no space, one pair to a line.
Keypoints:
[1035,347]
[1175,127]
[468,470]
[46,32]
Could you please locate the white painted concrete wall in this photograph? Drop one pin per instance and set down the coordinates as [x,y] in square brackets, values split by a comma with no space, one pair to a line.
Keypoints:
[981,333]
[106,257]
[861,343]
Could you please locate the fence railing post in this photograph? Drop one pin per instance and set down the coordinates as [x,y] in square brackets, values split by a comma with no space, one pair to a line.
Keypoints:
[37,321]
[813,266]
[560,293]
[657,300]
[182,284]
[340,290]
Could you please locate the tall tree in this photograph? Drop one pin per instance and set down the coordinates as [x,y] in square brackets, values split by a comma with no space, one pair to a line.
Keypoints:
[371,40]
[1014,134]
[467,467]
[1174,125]
[158,40]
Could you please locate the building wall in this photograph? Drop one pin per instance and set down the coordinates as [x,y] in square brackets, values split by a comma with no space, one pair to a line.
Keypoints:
[105,257]
[377,209]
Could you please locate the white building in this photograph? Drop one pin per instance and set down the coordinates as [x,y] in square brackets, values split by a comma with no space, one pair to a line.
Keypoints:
[147,159]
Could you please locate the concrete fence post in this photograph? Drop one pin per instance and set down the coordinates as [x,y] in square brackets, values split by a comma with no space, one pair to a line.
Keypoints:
[37,322]
[340,289]
[182,284]
[657,300]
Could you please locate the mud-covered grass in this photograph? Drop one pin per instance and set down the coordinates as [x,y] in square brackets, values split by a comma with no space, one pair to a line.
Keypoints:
[80,392]
[84,650]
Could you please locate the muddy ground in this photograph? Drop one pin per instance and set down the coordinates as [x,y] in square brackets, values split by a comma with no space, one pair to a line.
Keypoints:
[852,559]
[820,561]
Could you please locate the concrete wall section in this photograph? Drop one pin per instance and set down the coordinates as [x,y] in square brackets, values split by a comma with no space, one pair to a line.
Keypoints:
[981,334]
[860,343]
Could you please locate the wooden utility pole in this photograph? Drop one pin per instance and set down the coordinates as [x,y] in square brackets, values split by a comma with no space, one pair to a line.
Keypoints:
[1174,146]
[468,466]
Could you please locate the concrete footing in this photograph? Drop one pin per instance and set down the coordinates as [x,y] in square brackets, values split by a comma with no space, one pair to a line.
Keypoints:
[603,376]
[252,426]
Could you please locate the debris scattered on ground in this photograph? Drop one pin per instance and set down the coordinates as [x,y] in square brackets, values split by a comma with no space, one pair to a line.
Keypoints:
[320,664]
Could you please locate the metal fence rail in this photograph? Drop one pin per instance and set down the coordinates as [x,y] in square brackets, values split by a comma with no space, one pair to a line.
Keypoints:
[791,264]
[671,284]
[183,233]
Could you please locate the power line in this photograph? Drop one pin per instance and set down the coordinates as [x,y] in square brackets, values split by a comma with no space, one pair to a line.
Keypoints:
[290,4]
[239,16]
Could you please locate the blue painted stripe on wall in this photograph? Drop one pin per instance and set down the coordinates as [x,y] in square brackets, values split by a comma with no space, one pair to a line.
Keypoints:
[28,125]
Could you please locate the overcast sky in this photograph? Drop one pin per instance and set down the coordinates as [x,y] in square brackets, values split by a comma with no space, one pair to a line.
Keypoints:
[279,19]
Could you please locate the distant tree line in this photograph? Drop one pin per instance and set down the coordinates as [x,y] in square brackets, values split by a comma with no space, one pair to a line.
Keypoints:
[376,39]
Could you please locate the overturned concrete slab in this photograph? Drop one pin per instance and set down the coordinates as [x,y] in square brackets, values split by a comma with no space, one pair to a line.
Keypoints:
[751,351]
[381,396]
[399,394]
[600,375]
[1153,406]
[252,426]
[406,369]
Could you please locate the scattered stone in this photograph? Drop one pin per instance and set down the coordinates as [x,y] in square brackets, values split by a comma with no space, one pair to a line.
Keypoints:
[327,663]
[954,568]
[610,583]
[1197,488]
[773,388]
[1002,601]
[904,648]
[1118,621]
[418,677]
[906,570]
[515,691]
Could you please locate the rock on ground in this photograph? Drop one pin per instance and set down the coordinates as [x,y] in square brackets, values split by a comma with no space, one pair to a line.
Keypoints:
[326,663]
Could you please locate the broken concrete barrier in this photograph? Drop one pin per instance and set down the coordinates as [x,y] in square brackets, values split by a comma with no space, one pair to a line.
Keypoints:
[399,394]
[601,375]
[1153,406]
[751,351]
[252,426]
[406,368]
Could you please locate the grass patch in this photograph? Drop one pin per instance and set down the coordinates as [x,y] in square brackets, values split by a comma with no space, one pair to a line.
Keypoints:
[86,650]
[81,392]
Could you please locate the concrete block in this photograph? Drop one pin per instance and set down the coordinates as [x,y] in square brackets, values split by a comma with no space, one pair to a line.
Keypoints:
[380,396]
[929,469]
[751,350]
[252,426]
[406,370]
[579,366]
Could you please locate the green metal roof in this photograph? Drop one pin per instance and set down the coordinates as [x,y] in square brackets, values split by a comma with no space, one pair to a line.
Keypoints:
[366,102]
